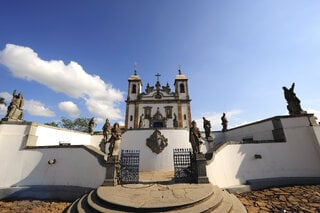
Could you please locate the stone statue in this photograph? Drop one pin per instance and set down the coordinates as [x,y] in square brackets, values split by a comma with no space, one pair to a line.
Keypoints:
[106,129]
[175,121]
[141,122]
[195,137]
[224,122]
[207,127]
[14,111]
[293,101]
[91,125]
[115,140]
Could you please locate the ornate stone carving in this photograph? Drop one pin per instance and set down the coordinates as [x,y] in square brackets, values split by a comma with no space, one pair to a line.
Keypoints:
[293,101]
[157,142]
[15,112]
[158,120]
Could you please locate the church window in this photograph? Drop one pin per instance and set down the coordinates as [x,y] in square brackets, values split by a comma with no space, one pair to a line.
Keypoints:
[134,89]
[147,112]
[131,117]
[168,110]
[185,117]
[182,89]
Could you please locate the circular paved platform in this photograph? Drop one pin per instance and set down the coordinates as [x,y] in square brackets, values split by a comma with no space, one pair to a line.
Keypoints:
[155,195]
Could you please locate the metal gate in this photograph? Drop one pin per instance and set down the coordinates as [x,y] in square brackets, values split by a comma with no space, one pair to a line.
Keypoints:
[129,166]
[183,168]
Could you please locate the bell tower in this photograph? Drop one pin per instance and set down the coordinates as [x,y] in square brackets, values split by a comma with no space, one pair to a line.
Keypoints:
[183,100]
[132,107]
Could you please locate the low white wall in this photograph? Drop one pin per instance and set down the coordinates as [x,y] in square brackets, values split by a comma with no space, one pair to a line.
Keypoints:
[234,164]
[258,131]
[49,136]
[149,161]
[23,167]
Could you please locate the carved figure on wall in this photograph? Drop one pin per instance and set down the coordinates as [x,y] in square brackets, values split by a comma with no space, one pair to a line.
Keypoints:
[91,125]
[293,101]
[224,122]
[175,121]
[195,137]
[166,88]
[14,111]
[115,140]
[149,89]
[207,127]
[157,142]
[141,122]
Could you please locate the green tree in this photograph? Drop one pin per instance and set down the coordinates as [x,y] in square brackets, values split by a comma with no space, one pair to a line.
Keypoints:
[79,124]
[55,124]
[2,101]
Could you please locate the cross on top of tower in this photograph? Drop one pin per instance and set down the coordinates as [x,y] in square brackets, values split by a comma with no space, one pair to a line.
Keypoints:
[158,76]
[135,68]
[179,69]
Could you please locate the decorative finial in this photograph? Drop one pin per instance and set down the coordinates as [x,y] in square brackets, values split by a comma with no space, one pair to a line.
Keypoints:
[158,76]
[179,69]
[135,68]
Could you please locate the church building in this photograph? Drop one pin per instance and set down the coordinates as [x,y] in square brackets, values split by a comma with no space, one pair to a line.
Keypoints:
[158,106]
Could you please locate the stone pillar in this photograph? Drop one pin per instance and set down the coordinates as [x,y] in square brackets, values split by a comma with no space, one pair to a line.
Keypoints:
[201,170]
[112,171]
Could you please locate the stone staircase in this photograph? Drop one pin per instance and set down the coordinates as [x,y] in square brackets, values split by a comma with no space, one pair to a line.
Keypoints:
[186,198]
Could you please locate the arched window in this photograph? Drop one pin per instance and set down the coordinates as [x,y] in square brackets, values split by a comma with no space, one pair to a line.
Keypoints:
[131,117]
[182,89]
[134,88]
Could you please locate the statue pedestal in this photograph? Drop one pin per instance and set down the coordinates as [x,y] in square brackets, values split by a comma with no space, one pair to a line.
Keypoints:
[201,170]
[210,150]
[112,169]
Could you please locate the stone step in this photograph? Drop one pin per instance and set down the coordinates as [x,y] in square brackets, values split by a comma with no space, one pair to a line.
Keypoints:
[237,206]
[98,205]
[225,205]
[187,198]
[72,207]
[82,204]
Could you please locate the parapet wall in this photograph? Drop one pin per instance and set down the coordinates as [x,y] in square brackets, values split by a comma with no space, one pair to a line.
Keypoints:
[25,165]
[297,156]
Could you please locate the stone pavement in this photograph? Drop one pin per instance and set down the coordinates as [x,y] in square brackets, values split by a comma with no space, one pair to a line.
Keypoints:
[284,199]
[157,192]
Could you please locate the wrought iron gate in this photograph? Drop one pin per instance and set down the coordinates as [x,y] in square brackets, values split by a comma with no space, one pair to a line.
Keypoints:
[183,168]
[129,166]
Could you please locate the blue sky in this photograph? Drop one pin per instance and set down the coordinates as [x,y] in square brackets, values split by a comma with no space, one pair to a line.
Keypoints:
[73,58]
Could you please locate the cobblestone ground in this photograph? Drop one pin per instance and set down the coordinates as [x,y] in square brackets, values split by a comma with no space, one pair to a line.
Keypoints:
[32,206]
[291,199]
[284,199]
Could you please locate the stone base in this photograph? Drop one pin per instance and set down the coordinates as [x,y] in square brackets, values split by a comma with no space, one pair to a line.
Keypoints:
[112,171]
[201,170]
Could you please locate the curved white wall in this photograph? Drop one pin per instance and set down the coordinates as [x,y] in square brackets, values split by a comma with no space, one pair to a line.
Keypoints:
[298,157]
[22,167]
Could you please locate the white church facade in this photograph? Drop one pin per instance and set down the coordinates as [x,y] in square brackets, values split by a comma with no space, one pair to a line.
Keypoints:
[158,106]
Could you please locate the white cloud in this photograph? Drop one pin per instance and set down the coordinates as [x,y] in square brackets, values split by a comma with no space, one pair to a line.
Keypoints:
[215,119]
[37,108]
[3,110]
[71,79]
[70,108]
[7,98]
